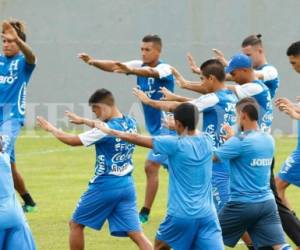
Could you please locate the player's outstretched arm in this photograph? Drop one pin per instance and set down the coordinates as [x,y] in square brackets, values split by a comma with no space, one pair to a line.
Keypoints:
[78,120]
[168,106]
[69,139]
[138,71]
[10,34]
[288,107]
[105,65]
[170,96]
[189,85]
[144,141]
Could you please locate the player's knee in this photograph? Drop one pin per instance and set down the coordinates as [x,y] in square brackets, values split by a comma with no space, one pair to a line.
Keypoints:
[74,226]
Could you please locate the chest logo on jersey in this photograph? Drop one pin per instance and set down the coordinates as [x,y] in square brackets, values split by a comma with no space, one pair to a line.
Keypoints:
[12,76]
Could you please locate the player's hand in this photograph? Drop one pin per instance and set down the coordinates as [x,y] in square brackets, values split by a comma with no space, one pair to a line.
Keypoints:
[229,132]
[44,124]
[290,111]
[102,126]
[9,32]
[122,68]
[169,122]
[218,54]
[73,118]
[168,95]
[85,57]
[283,101]
[141,95]
[180,81]
[193,65]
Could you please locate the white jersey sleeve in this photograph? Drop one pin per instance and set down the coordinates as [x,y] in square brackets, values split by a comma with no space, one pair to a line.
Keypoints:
[205,101]
[269,73]
[248,90]
[90,137]
[163,70]
[134,63]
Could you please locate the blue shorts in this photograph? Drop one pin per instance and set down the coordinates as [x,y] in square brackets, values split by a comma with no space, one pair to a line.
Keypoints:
[200,234]
[220,186]
[118,206]
[12,129]
[290,170]
[158,158]
[14,230]
[261,220]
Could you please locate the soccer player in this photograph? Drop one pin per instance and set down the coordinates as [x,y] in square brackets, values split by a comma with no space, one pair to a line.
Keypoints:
[152,74]
[290,170]
[111,192]
[14,230]
[16,66]
[252,206]
[191,221]
[218,108]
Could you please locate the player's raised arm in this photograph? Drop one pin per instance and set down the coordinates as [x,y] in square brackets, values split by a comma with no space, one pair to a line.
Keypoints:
[168,106]
[69,139]
[144,141]
[193,65]
[13,34]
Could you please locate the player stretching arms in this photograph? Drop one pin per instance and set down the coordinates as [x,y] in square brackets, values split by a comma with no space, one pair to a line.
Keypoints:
[16,66]
[111,192]
[152,74]
[191,221]
[252,206]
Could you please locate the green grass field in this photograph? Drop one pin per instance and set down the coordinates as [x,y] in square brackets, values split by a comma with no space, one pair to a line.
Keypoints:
[57,175]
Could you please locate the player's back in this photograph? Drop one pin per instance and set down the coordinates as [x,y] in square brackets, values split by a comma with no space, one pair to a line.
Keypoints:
[250,172]
[190,171]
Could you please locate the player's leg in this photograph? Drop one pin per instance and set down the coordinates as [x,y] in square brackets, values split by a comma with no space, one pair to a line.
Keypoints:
[141,240]
[288,174]
[124,221]
[266,229]
[281,187]
[209,235]
[152,174]
[76,236]
[289,220]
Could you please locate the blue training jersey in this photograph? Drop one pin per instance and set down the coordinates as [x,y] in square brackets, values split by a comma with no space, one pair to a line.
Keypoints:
[218,109]
[271,78]
[151,86]
[15,73]
[260,92]
[6,180]
[113,165]
[250,154]
[190,173]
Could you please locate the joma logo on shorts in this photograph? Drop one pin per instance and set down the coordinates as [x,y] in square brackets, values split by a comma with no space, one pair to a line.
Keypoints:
[261,162]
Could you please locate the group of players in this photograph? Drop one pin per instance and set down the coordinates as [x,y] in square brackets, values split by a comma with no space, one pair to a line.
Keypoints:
[221,182]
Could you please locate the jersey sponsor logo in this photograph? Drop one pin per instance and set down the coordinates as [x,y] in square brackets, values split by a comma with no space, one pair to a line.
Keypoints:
[262,162]
[8,79]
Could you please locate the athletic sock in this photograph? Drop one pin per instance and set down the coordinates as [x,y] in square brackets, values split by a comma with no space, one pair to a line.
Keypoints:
[28,200]
[145,210]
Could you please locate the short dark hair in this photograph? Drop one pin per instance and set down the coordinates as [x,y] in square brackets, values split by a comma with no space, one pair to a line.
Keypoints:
[293,49]
[252,40]
[188,115]
[213,67]
[102,96]
[249,106]
[152,38]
